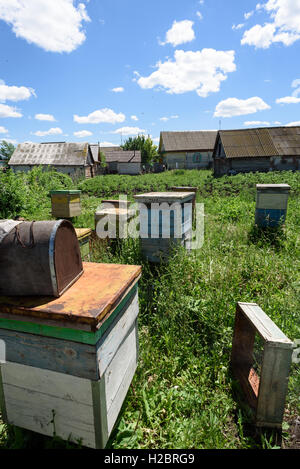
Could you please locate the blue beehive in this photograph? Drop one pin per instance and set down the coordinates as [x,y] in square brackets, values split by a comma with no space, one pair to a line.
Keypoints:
[271,204]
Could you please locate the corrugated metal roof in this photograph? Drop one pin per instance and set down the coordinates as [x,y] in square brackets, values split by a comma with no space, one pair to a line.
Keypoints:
[261,142]
[123,156]
[197,140]
[58,154]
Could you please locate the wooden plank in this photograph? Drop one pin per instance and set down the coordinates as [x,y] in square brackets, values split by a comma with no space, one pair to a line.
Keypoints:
[117,368]
[100,413]
[108,346]
[273,386]
[264,325]
[2,398]
[49,403]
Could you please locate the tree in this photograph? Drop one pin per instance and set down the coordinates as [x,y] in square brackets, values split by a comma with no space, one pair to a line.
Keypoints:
[6,150]
[145,145]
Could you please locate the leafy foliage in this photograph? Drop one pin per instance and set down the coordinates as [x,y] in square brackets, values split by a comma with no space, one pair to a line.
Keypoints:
[6,150]
[145,145]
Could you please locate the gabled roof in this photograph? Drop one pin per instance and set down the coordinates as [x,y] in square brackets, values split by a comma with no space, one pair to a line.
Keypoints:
[130,156]
[94,147]
[197,140]
[260,142]
[58,154]
[109,149]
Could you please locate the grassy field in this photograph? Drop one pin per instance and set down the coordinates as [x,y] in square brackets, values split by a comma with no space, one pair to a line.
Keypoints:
[183,394]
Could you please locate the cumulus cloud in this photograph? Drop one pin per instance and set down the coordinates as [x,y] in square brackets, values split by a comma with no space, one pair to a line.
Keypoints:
[248,15]
[55,26]
[165,119]
[284,27]
[52,131]
[238,107]
[14,93]
[288,100]
[134,118]
[107,144]
[238,26]
[45,117]
[129,131]
[82,133]
[199,14]
[256,123]
[200,71]
[100,116]
[3,130]
[292,124]
[180,33]
[9,111]
[119,89]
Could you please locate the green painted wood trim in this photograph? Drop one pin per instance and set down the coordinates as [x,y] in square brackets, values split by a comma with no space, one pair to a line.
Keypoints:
[2,400]
[75,335]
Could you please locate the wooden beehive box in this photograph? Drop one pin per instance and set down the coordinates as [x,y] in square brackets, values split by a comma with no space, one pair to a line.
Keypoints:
[107,203]
[266,392]
[116,215]
[161,227]
[271,204]
[65,203]
[187,189]
[70,361]
[83,236]
[38,258]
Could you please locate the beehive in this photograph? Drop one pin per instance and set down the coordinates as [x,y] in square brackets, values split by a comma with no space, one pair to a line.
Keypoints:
[70,361]
[65,203]
[165,222]
[117,216]
[266,392]
[83,236]
[271,204]
[38,258]
[115,203]
[188,189]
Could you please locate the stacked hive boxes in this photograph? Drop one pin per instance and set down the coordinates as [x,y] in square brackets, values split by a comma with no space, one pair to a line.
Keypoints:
[165,222]
[69,356]
[65,203]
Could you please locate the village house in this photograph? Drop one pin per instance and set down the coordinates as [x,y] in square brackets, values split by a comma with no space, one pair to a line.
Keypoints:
[73,159]
[187,150]
[122,162]
[259,149]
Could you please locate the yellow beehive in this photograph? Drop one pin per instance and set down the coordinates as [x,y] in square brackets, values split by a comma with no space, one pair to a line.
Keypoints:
[65,203]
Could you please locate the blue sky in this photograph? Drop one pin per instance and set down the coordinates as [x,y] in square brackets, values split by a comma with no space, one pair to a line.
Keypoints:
[104,70]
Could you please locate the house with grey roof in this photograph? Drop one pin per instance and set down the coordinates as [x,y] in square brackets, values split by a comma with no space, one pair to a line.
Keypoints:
[188,149]
[74,159]
[259,149]
[123,162]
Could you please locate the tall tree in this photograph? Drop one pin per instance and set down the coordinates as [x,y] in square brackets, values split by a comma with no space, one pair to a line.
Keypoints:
[6,150]
[145,145]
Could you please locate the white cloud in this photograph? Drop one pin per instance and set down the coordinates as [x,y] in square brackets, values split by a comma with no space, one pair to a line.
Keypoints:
[284,27]
[9,111]
[129,131]
[14,93]
[45,117]
[55,26]
[288,100]
[200,71]
[100,116]
[3,130]
[238,26]
[120,89]
[248,15]
[52,131]
[82,133]
[292,124]
[199,14]
[277,123]
[256,123]
[165,119]
[134,118]
[238,107]
[180,33]
[296,84]
[107,144]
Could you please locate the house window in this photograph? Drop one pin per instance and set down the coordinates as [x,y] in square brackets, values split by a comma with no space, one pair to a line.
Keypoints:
[197,157]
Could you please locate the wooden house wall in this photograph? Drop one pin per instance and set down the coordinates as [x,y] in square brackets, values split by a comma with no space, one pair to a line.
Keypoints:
[129,168]
[188,160]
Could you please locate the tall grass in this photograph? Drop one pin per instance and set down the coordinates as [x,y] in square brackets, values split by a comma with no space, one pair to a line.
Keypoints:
[183,394]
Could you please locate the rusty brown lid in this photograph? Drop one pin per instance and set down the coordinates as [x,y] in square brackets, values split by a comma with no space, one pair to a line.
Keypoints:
[95,294]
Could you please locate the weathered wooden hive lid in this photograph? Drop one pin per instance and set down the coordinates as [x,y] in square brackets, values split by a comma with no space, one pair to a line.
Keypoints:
[273,187]
[65,192]
[38,258]
[85,306]
[169,197]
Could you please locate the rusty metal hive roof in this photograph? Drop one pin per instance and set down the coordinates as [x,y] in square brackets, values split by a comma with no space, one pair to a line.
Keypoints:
[197,140]
[58,154]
